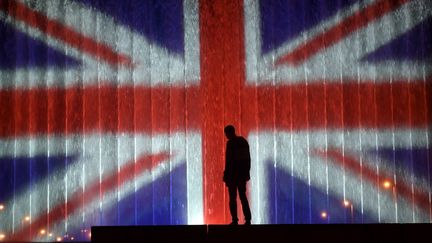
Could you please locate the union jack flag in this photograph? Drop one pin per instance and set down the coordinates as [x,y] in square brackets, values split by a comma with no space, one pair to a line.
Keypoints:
[112,112]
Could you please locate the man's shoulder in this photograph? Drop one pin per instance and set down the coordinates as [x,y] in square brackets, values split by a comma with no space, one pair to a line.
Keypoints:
[242,139]
[239,140]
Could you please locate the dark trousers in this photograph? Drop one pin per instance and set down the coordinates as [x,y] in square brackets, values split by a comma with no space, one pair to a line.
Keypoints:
[232,190]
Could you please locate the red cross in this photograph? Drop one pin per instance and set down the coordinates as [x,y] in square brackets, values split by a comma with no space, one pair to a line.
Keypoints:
[222,97]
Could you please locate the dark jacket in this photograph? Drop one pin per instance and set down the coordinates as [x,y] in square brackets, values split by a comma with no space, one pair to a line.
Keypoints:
[237,161]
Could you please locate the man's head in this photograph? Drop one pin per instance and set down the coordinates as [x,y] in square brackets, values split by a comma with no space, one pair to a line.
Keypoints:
[230,131]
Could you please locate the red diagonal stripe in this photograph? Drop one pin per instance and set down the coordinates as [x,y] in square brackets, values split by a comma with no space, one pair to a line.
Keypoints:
[417,196]
[340,31]
[79,199]
[64,33]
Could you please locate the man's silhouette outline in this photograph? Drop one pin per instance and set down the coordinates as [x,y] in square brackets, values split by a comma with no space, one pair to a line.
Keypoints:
[236,173]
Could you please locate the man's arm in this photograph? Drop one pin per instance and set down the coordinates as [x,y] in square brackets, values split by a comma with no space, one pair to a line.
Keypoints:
[248,157]
[248,161]
[245,157]
[227,161]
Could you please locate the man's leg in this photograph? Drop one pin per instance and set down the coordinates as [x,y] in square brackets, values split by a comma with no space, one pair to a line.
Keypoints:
[232,191]
[244,202]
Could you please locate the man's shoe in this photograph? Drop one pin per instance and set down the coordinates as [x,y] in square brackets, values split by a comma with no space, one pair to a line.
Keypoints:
[248,222]
[234,223]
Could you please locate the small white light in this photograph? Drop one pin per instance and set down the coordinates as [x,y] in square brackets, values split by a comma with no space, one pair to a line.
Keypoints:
[2,236]
[346,203]
[58,238]
[42,231]
[387,184]
[27,218]
[323,214]
[2,206]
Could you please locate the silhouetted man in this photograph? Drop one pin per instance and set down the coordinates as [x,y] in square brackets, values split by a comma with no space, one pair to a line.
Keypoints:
[236,174]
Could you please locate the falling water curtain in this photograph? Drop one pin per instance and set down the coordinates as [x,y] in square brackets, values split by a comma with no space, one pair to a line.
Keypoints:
[112,112]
